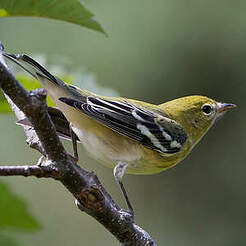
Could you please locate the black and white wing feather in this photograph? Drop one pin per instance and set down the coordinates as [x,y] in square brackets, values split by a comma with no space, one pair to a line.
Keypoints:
[143,125]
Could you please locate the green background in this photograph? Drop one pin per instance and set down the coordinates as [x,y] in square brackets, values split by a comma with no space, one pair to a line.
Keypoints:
[156,51]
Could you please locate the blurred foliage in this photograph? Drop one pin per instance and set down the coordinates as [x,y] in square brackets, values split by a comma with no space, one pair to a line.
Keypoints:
[7,241]
[66,10]
[4,106]
[14,215]
[14,212]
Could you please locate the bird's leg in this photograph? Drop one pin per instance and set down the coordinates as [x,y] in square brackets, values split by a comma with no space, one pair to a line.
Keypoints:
[75,156]
[119,172]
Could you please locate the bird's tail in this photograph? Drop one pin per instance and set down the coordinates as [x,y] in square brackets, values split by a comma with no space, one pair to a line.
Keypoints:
[33,67]
[55,87]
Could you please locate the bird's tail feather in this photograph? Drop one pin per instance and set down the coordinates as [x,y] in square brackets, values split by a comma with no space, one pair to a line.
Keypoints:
[34,68]
[55,87]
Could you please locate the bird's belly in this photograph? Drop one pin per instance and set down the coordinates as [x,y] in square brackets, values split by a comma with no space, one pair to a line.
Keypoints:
[109,149]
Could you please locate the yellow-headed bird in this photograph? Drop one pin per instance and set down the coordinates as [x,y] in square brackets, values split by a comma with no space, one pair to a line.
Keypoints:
[129,135]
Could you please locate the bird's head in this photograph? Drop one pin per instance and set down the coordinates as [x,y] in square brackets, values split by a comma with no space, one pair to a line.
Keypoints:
[196,114]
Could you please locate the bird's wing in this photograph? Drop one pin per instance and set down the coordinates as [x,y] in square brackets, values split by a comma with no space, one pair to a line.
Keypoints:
[143,125]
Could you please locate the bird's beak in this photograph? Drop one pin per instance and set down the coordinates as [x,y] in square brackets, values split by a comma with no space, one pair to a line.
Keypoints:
[223,107]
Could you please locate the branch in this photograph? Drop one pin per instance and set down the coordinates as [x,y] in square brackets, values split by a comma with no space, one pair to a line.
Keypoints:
[26,171]
[91,197]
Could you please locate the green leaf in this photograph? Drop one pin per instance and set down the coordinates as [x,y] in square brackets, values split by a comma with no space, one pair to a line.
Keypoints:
[4,106]
[7,241]
[14,212]
[66,10]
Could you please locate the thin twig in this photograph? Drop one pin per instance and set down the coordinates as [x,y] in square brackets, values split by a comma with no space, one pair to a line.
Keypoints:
[34,170]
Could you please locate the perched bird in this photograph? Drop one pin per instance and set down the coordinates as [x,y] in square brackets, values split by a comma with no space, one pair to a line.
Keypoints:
[128,135]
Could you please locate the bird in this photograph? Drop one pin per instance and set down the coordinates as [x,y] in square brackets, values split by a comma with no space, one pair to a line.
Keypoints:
[127,135]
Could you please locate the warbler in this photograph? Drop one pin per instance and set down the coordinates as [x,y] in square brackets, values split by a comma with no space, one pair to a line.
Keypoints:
[128,135]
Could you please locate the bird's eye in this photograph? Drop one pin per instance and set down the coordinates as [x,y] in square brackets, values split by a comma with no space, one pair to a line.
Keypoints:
[207,109]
